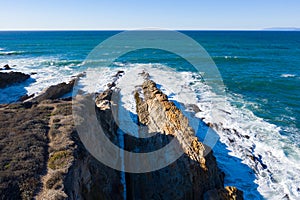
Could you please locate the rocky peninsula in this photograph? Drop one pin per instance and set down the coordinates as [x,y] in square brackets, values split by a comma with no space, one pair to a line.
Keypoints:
[42,156]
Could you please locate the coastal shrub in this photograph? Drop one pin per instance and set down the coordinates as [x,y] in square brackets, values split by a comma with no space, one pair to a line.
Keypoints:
[54,180]
[59,159]
[24,149]
[63,109]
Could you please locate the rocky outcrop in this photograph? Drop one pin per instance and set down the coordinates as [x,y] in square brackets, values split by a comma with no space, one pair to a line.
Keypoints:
[10,78]
[42,156]
[55,91]
[25,97]
[72,173]
[189,177]
[6,67]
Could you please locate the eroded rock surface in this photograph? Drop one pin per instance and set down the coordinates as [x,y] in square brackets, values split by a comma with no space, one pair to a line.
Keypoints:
[189,177]
[55,91]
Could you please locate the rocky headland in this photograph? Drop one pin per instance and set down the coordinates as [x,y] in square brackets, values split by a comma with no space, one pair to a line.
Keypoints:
[42,156]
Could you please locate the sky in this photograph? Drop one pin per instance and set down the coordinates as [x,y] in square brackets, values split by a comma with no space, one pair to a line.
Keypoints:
[138,14]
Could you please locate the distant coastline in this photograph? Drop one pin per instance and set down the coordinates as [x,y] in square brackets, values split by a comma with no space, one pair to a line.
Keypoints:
[282,29]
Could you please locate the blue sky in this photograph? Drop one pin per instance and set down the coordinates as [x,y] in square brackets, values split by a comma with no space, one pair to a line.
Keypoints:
[135,14]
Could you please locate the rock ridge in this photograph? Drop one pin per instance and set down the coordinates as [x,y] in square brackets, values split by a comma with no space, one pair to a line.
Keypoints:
[42,156]
[197,170]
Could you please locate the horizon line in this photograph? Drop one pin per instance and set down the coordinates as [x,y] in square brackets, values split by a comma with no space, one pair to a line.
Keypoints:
[265,29]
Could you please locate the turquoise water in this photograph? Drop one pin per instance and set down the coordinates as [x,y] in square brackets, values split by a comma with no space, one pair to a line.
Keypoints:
[260,70]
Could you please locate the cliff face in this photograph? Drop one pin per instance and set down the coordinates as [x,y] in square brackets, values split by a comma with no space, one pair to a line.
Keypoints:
[72,173]
[42,156]
[194,175]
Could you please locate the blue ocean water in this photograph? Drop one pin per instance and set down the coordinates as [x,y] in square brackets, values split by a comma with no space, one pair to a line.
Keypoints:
[260,70]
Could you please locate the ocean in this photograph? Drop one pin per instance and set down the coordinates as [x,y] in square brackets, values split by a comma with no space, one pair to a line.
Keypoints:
[260,72]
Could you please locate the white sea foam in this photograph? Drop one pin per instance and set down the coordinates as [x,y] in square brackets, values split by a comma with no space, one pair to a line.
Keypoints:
[6,53]
[252,151]
[275,170]
[44,75]
[273,158]
[287,75]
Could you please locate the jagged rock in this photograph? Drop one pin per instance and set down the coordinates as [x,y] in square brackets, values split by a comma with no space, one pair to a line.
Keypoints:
[80,75]
[55,91]
[25,97]
[42,156]
[193,174]
[144,74]
[6,67]
[10,78]
[227,193]
[119,73]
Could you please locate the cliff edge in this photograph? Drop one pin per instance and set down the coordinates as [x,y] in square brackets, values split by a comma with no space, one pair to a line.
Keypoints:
[42,156]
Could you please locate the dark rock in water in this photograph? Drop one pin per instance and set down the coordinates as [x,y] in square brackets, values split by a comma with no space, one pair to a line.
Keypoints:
[119,73]
[25,97]
[10,78]
[33,73]
[83,74]
[210,125]
[247,136]
[145,75]
[6,67]
[194,108]
[286,197]
[110,85]
[56,91]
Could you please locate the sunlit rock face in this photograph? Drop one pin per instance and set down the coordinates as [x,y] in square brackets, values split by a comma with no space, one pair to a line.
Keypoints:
[194,174]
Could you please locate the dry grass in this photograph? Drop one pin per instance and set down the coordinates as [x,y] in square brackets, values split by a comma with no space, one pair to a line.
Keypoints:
[59,159]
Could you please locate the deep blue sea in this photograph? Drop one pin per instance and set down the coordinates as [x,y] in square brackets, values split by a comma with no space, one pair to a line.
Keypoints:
[260,72]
